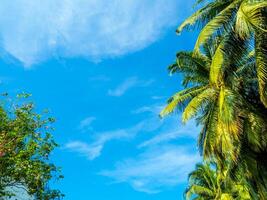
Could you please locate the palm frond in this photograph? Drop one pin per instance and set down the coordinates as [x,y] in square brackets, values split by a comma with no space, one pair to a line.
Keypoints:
[223,19]
[199,190]
[261,62]
[203,15]
[250,17]
[195,104]
[179,98]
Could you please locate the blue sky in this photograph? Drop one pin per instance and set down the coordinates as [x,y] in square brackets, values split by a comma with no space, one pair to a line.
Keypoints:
[100,68]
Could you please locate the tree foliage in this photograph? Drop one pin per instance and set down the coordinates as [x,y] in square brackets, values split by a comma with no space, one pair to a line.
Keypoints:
[225,91]
[25,146]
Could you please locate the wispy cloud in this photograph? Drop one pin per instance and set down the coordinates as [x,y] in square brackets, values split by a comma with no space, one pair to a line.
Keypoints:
[189,130]
[38,30]
[128,84]
[93,149]
[165,137]
[154,109]
[163,131]
[162,164]
[156,169]
[123,87]
[85,124]
[84,149]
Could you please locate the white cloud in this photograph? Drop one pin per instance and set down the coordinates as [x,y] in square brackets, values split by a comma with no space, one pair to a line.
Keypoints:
[154,109]
[35,30]
[164,131]
[165,137]
[156,169]
[123,87]
[176,130]
[160,165]
[86,123]
[92,150]
[84,149]
[128,84]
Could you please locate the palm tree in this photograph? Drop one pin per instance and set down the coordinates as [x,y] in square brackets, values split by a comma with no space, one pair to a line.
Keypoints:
[208,182]
[202,183]
[215,95]
[226,103]
[225,89]
[247,18]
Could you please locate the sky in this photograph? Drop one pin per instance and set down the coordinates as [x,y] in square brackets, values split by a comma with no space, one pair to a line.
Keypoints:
[100,67]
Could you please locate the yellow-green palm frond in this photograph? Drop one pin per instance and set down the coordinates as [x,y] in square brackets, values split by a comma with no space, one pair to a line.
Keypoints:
[209,48]
[250,17]
[181,97]
[224,18]
[197,60]
[203,15]
[195,68]
[216,66]
[242,190]
[195,104]
[228,110]
[229,124]
[203,175]
[226,197]
[186,62]
[256,132]
[231,53]
[261,63]
[203,182]
[199,190]
[225,145]
[207,136]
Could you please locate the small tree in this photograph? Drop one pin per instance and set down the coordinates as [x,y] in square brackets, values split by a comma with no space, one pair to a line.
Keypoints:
[25,145]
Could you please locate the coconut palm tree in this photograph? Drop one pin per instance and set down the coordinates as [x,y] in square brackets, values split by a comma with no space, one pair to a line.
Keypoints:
[225,90]
[226,103]
[208,182]
[247,18]
[202,183]
[215,96]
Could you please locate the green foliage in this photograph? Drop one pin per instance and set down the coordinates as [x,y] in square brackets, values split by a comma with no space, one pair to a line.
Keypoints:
[243,17]
[209,182]
[25,145]
[225,80]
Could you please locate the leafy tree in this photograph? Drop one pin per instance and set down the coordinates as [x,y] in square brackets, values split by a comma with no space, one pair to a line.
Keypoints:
[25,146]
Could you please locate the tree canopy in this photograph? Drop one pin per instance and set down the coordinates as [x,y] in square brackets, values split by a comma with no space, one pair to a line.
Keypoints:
[225,79]
[25,146]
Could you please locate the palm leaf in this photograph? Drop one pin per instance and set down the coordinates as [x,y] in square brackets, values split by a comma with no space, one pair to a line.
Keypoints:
[203,15]
[216,65]
[261,62]
[180,97]
[195,104]
[224,18]
[198,190]
[250,17]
